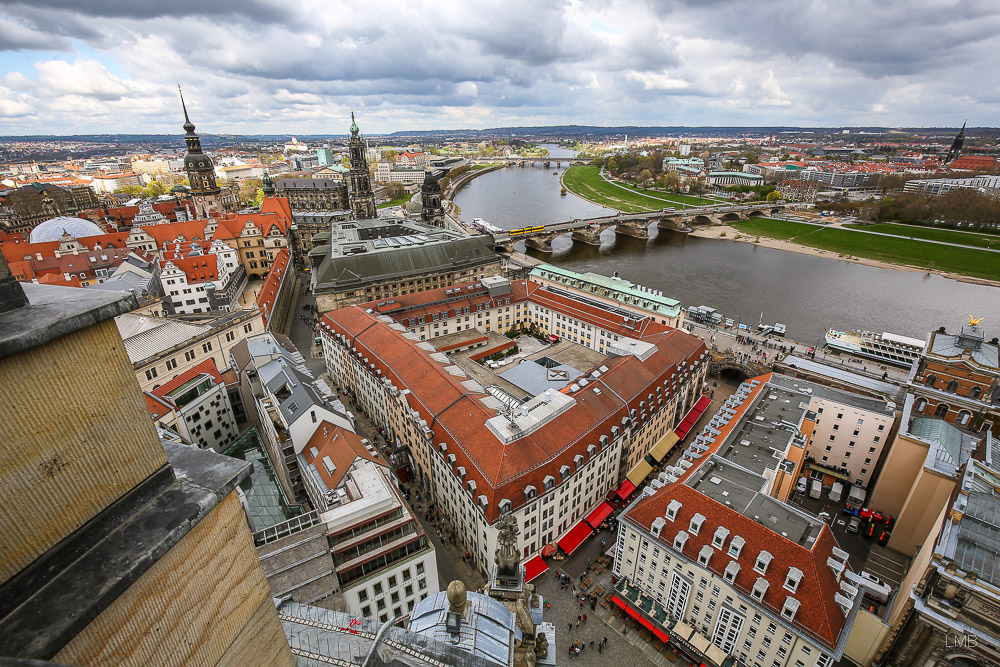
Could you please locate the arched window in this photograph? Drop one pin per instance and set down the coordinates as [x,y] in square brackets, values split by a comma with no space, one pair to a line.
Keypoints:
[930,380]
[941,410]
[952,386]
[976,392]
[920,405]
[964,417]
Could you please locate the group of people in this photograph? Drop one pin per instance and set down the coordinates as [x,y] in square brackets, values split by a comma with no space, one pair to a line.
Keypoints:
[577,646]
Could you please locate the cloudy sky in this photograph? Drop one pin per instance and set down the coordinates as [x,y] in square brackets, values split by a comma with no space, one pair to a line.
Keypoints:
[272,66]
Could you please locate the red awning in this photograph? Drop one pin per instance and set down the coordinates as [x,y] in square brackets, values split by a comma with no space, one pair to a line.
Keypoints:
[602,512]
[646,623]
[618,601]
[625,490]
[575,537]
[682,432]
[533,568]
[632,612]
[702,404]
[661,635]
[548,550]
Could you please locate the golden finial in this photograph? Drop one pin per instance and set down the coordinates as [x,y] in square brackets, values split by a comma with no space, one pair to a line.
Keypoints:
[974,322]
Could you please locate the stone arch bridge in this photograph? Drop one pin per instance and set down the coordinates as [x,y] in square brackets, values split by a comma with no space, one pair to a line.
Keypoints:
[539,237]
[546,162]
[720,363]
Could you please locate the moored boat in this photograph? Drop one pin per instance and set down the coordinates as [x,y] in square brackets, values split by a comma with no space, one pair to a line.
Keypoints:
[885,347]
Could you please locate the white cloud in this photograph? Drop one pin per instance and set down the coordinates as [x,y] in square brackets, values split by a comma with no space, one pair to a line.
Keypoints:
[257,66]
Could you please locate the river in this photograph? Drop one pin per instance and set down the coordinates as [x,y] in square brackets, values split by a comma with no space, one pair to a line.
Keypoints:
[743,281]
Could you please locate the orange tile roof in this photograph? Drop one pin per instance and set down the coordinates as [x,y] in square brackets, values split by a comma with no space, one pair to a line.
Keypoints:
[199,269]
[819,614]
[171,231]
[157,406]
[458,417]
[272,283]
[59,279]
[279,206]
[343,447]
[208,366]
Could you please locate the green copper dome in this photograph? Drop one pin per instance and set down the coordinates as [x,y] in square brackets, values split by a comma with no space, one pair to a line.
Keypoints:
[354,126]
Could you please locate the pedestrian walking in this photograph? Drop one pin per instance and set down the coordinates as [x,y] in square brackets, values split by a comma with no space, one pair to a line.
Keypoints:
[600,648]
[577,622]
[605,641]
[591,644]
[578,617]
[584,618]
[570,628]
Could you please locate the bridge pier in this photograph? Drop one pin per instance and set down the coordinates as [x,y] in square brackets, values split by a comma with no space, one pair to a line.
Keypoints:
[541,244]
[634,229]
[588,236]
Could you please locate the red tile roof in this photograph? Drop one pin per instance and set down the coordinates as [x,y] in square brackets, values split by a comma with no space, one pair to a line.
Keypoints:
[157,406]
[819,614]
[208,366]
[343,447]
[198,269]
[269,290]
[172,231]
[503,471]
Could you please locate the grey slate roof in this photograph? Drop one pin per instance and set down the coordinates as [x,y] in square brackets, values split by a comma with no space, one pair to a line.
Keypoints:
[363,251]
[947,345]
[321,637]
[148,336]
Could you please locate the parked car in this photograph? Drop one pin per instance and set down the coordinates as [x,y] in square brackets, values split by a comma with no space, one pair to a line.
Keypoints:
[850,509]
[854,525]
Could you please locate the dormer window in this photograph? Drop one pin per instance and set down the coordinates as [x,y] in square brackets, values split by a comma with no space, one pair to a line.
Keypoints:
[731,571]
[483,501]
[591,451]
[530,492]
[760,588]
[763,560]
[721,533]
[680,540]
[657,526]
[460,471]
[704,555]
[564,472]
[471,485]
[672,509]
[549,482]
[736,546]
[696,522]
[504,506]
[578,461]
[789,608]
[451,459]
[793,578]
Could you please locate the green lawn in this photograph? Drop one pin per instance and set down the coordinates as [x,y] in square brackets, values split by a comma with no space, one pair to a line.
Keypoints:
[689,201]
[398,201]
[934,234]
[893,250]
[586,182]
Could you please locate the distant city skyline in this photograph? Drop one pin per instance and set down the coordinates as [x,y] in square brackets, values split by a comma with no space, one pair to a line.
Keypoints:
[261,67]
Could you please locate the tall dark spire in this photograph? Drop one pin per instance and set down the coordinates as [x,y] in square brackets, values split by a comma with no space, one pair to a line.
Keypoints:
[354,126]
[359,180]
[188,125]
[267,186]
[956,146]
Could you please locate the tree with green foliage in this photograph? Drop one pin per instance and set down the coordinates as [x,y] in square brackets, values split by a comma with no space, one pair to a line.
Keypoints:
[153,189]
[129,190]
[248,189]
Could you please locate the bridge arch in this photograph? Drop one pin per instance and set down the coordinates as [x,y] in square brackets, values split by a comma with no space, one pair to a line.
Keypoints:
[756,214]
[730,217]
[702,220]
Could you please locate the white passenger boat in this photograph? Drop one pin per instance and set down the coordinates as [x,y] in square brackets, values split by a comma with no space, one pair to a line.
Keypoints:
[885,347]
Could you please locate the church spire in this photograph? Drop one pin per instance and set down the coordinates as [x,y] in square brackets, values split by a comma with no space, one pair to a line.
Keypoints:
[957,145]
[188,125]
[354,126]
[267,186]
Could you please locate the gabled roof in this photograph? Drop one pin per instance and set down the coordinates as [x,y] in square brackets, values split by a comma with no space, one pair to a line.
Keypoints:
[269,290]
[171,231]
[820,616]
[206,367]
[198,269]
[157,406]
[342,446]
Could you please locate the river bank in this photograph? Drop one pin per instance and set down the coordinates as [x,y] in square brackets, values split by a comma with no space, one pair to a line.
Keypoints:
[729,233]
